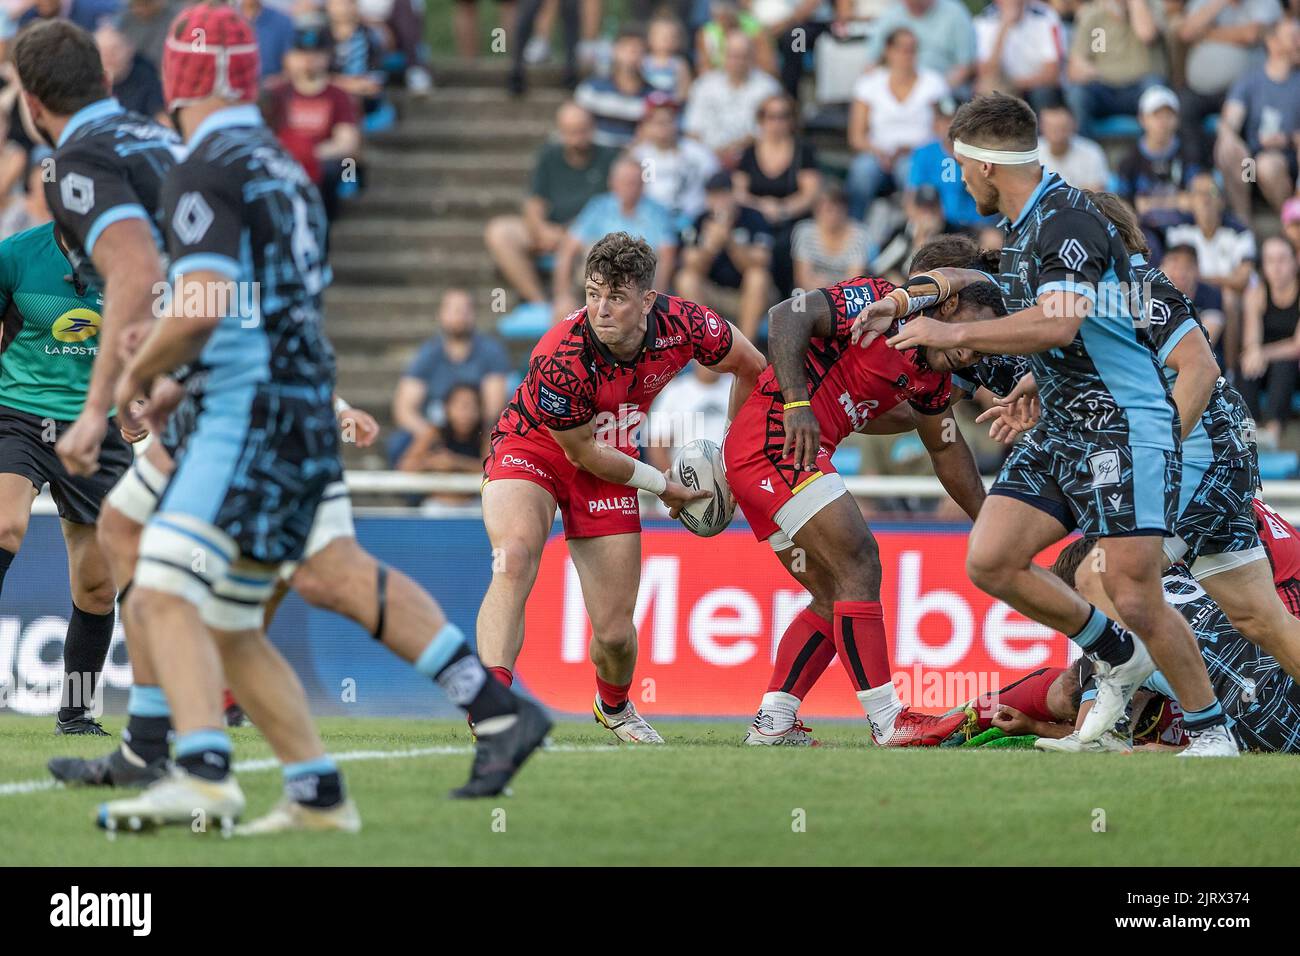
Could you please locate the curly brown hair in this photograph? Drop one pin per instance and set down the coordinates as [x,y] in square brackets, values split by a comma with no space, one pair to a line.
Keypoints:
[620,259]
[952,250]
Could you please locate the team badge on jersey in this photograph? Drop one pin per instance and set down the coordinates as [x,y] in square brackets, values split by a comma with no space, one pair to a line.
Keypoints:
[1105,467]
[553,403]
[77,192]
[192,218]
[1073,254]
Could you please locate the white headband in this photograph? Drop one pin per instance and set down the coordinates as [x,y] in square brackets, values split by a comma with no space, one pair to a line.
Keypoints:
[1000,157]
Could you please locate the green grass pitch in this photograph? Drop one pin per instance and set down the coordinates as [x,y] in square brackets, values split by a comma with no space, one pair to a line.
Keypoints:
[700,800]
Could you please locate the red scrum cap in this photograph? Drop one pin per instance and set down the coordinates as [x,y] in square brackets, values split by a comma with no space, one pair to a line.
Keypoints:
[210,51]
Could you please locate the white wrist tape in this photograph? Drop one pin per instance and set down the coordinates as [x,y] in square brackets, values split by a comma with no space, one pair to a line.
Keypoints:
[340,406]
[647,478]
[999,157]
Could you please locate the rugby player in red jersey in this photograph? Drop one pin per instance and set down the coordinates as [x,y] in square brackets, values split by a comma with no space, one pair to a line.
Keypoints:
[567,440]
[778,460]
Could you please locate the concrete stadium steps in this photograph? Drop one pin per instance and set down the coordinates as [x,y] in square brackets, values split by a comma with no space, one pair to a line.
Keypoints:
[456,158]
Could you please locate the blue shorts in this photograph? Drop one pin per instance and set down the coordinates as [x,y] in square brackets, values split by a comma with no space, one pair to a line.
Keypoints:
[256,466]
[1104,489]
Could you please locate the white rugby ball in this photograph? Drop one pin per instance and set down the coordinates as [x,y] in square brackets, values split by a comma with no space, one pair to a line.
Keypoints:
[699,465]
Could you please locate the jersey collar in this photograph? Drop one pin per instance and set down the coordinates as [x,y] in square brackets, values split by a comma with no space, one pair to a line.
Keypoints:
[1137,259]
[244,114]
[651,328]
[1045,185]
[88,114]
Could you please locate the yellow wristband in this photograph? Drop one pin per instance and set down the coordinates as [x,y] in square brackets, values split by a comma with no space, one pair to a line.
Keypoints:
[789,405]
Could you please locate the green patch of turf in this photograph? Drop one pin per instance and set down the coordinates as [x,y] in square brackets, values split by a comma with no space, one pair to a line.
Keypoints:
[703,800]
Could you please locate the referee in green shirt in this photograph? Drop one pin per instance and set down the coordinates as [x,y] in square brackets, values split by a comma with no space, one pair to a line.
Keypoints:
[49,334]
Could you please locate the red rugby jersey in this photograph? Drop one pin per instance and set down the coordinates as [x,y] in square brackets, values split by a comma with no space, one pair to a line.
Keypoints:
[849,385]
[1280,540]
[572,377]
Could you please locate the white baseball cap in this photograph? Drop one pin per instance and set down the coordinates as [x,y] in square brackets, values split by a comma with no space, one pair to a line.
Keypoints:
[1156,98]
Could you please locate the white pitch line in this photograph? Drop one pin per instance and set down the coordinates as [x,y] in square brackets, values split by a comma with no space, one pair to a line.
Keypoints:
[348,756]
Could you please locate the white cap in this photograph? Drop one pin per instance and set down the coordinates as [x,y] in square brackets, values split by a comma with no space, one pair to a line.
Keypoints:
[1155,98]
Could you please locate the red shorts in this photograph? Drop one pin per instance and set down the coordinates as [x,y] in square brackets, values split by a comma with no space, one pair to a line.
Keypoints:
[761,480]
[589,506]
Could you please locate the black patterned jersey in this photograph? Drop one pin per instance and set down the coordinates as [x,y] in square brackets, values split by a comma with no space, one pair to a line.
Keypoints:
[1106,384]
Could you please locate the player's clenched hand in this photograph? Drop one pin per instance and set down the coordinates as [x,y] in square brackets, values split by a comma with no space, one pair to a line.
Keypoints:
[923,330]
[364,427]
[1012,722]
[803,437]
[676,495]
[873,322]
[78,447]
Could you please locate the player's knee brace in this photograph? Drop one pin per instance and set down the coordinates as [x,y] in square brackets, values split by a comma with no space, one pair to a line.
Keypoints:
[381,599]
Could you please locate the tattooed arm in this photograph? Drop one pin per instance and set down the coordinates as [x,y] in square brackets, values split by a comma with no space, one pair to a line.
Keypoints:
[792,325]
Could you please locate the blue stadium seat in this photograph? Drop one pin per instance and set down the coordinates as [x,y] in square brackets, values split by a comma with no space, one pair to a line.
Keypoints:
[379,120]
[1278,465]
[1116,127]
[525,322]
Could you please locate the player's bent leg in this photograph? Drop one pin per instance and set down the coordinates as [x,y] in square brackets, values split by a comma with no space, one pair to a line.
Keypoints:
[517,515]
[1131,577]
[609,569]
[16,496]
[1249,598]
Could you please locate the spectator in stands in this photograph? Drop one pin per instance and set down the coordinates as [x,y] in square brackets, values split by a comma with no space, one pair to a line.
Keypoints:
[357,57]
[136,83]
[1114,58]
[891,115]
[792,27]
[674,167]
[664,66]
[145,24]
[1271,339]
[711,38]
[527,34]
[1157,171]
[466,27]
[945,34]
[690,407]
[275,34]
[403,23]
[617,101]
[1225,249]
[566,175]
[25,209]
[1079,161]
[1261,119]
[458,355]
[831,246]
[1179,264]
[315,119]
[1291,220]
[723,105]
[934,165]
[1019,45]
[1223,38]
[729,247]
[625,208]
[458,447]
[87,14]
[924,221]
[778,176]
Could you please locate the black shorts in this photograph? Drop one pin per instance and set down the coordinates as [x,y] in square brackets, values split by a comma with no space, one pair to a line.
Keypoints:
[25,449]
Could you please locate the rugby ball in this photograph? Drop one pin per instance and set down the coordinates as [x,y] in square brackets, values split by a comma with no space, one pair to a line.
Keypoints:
[699,465]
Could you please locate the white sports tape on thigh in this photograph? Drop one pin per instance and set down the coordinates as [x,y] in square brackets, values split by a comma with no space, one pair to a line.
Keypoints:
[1212,564]
[333,520]
[1175,548]
[183,555]
[238,600]
[136,493]
[999,157]
[812,498]
[780,541]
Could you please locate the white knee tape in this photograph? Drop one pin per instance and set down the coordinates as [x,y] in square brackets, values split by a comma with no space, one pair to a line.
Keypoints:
[238,601]
[136,492]
[183,555]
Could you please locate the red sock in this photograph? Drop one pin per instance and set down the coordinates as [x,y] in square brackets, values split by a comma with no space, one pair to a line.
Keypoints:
[502,674]
[613,696]
[227,699]
[861,644]
[1027,695]
[803,655]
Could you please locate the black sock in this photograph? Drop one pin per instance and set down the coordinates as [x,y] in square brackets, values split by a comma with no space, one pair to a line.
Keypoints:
[84,651]
[6,559]
[208,764]
[1114,645]
[320,790]
[147,736]
[473,689]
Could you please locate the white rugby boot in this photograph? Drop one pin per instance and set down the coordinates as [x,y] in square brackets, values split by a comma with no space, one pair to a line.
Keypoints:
[1109,742]
[763,732]
[627,725]
[1116,685]
[290,815]
[1214,741]
[178,798]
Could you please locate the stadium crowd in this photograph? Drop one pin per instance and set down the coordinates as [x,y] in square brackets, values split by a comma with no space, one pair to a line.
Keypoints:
[763,146]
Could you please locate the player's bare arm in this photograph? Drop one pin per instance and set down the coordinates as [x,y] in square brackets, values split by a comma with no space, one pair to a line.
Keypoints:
[917,293]
[1196,373]
[1051,323]
[792,325]
[954,465]
[128,259]
[581,447]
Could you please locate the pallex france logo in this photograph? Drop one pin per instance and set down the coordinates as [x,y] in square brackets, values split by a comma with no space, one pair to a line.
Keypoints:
[710,614]
[76,325]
